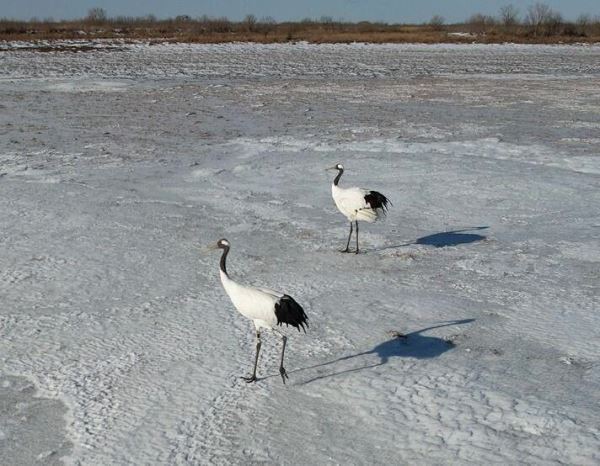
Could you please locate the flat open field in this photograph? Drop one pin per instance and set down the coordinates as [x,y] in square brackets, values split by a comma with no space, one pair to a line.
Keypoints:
[118,163]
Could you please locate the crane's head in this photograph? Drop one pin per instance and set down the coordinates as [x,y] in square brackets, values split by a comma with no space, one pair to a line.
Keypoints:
[337,166]
[222,244]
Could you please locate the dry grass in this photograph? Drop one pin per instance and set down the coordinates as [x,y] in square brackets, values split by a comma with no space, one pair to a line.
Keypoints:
[207,30]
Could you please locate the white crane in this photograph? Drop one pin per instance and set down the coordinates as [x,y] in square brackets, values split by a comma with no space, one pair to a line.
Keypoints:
[266,308]
[357,204]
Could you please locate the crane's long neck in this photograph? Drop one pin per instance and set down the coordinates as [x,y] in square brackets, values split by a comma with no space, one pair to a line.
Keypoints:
[337,178]
[222,265]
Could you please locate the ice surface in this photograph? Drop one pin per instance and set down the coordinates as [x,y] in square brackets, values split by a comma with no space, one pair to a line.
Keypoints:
[117,164]
[31,428]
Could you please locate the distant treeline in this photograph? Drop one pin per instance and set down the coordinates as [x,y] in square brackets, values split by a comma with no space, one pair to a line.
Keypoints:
[538,23]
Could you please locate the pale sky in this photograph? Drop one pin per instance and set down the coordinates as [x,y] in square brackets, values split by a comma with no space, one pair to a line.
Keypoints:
[390,11]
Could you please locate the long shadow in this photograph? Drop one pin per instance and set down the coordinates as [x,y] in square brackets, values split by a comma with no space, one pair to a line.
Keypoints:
[445,238]
[451,238]
[413,345]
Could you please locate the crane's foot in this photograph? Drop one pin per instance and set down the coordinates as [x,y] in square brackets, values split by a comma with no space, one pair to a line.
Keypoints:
[283,374]
[345,250]
[356,252]
[250,379]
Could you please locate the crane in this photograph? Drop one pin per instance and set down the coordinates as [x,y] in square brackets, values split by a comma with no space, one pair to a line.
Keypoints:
[266,308]
[357,204]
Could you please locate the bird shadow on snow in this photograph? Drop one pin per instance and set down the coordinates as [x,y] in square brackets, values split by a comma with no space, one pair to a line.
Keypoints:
[411,345]
[445,238]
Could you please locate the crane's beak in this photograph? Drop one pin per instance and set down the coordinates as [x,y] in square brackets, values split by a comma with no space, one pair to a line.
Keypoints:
[205,249]
[331,168]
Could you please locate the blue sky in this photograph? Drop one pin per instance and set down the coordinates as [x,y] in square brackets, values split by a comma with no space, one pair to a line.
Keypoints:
[353,10]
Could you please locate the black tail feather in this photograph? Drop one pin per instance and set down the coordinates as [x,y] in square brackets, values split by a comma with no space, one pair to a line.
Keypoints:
[289,312]
[377,201]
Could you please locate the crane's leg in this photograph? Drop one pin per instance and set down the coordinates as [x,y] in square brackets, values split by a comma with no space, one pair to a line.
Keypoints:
[252,378]
[348,243]
[356,237]
[281,368]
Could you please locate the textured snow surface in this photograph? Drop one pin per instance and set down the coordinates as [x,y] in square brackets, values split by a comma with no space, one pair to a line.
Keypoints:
[119,164]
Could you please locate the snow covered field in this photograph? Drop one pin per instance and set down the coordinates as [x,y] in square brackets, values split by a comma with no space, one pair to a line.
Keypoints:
[118,345]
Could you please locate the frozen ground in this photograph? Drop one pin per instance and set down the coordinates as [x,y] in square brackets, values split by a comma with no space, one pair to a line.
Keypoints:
[118,346]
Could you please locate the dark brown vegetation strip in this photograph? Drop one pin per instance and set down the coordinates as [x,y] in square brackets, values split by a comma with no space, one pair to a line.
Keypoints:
[540,24]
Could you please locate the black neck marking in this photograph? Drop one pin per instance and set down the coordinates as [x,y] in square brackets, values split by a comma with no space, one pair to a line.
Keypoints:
[223,259]
[339,175]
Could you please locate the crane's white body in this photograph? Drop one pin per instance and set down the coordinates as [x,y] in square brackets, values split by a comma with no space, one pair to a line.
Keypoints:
[256,304]
[351,202]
